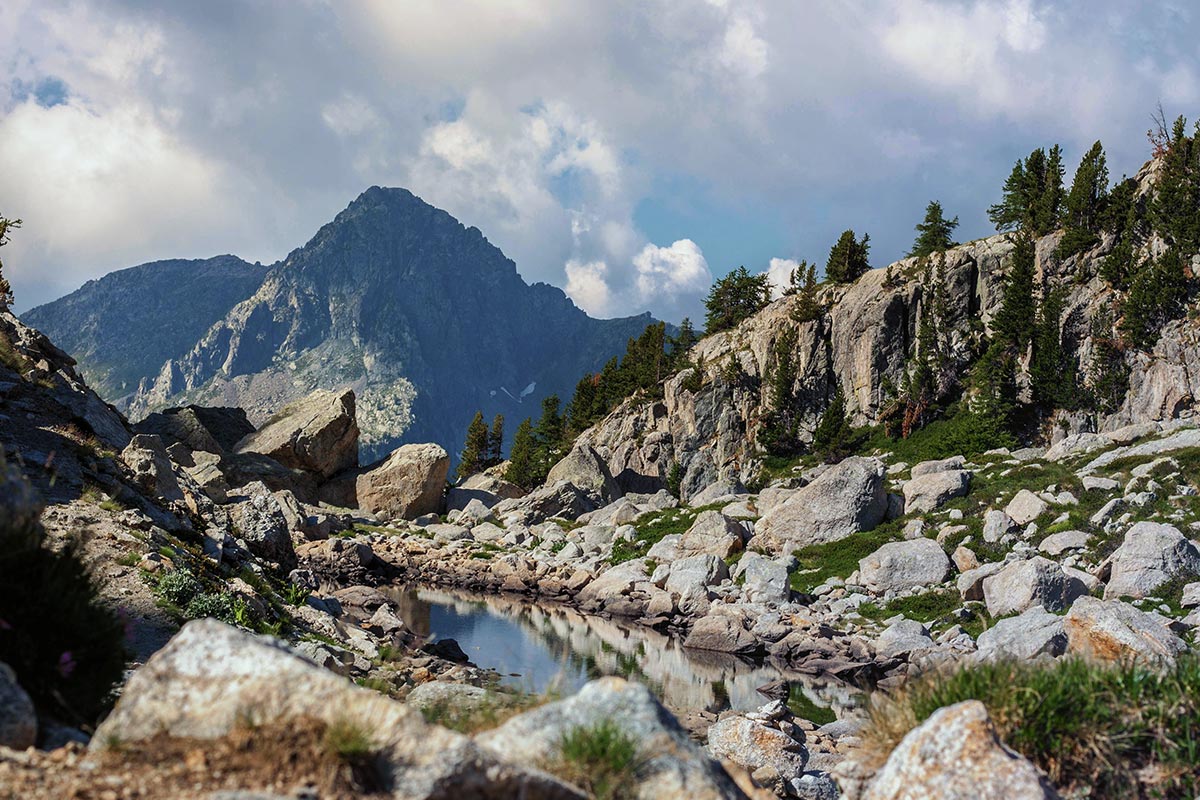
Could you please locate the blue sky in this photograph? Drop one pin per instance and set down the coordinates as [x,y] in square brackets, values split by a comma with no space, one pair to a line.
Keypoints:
[626,151]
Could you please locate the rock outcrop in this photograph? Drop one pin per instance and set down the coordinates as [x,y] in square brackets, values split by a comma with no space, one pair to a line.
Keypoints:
[956,755]
[318,434]
[672,767]
[847,498]
[408,483]
[212,678]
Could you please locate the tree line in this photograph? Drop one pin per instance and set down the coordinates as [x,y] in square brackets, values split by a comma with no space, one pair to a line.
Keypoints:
[1024,345]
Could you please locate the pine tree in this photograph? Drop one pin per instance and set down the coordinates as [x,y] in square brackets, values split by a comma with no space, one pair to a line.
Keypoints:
[734,298]
[1157,294]
[6,293]
[1175,209]
[522,468]
[848,258]
[582,410]
[1052,372]
[1010,213]
[807,307]
[1125,215]
[1050,200]
[1085,203]
[935,234]
[1032,195]
[682,342]
[833,437]
[994,390]
[549,436]
[1108,374]
[475,448]
[495,452]
[779,428]
[1013,324]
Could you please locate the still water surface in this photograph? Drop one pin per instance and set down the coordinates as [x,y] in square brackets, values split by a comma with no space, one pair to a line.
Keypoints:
[538,648]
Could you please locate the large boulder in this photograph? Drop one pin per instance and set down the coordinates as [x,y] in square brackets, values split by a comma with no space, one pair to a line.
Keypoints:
[202,429]
[931,490]
[487,489]
[584,468]
[722,634]
[563,499]
[765,579]
[211,679]
[147,459]
[261,522]
[1025,507]
[689,579]
[754,745]
[406,484]
[952,464]
[714,533]
[1033,582]
[1114,631]
[1151,555]
[318,434]
[1033,633]
[18,720]
[904,565]
[845,499]
[671,765]
[956,755]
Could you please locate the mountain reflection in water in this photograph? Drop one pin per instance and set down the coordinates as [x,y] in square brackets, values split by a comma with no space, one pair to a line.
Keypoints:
[538,648]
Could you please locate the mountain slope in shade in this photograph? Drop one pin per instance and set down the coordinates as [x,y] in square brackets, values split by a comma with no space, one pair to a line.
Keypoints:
[422,316]
[124,326]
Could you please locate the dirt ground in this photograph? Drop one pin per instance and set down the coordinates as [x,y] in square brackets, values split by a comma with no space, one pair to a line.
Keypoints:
[294,760]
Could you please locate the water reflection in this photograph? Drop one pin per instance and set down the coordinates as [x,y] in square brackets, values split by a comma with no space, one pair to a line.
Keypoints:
[550,647]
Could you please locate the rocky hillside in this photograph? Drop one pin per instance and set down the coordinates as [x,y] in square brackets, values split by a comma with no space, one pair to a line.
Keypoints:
[123,327]
[423,317]
[865,340]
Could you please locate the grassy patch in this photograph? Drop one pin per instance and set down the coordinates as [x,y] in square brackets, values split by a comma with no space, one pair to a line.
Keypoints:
[819,562]
[936,606]
[1096,728]
[958,434]
[601,759]
[652,528]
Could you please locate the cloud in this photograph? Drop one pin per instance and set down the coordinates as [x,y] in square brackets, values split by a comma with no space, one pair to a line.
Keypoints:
[673,277]
[588,287]
[779,273]
[103,190]
[576,136]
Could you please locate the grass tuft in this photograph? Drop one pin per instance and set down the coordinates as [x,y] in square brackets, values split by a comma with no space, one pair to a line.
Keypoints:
[601,759]
[1100,731]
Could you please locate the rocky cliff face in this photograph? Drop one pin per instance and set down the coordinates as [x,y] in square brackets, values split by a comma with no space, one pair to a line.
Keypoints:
[124,326]
[864,341]
[423,317]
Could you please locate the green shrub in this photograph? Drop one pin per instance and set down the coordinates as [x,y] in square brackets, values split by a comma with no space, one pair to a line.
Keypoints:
[178,587]
[1092,729]
[600,758]
[212,604]
[65,646]
[295,595]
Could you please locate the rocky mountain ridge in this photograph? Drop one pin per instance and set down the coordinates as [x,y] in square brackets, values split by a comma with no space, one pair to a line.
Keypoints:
[421,316]
[863,342]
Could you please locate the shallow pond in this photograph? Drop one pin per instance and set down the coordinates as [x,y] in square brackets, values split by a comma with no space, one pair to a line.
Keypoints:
[540,648]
